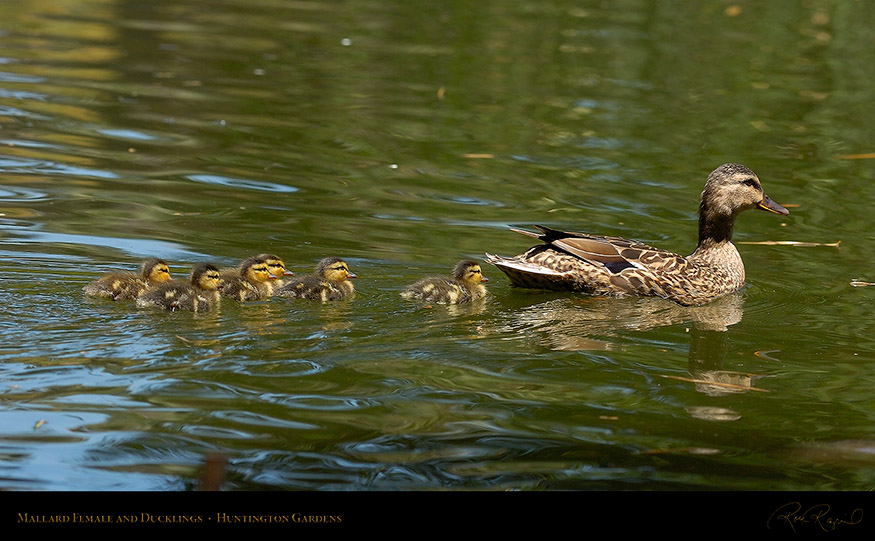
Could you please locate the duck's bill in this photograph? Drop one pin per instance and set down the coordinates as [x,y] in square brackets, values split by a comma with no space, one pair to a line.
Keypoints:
[351,275]
[771,206]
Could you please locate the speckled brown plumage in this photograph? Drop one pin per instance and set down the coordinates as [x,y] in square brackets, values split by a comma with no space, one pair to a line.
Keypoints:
[199,295]
[125,285]
[603,265]
[463,286]
[330,282]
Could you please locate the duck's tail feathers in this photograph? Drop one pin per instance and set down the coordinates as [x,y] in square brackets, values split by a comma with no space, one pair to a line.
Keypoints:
[530,275]
[511,264]
[527,233]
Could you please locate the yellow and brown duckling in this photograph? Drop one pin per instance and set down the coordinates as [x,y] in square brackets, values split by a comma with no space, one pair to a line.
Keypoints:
[464,285]
[277,267]
[616,266]
[126,285]
[249,282]
[330,282]
[198,295]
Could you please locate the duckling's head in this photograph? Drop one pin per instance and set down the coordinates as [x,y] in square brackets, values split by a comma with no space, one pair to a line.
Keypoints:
[206,276]
[730,189]
[275,265]
[255,269]
[155,270]
[334,269]
[469,272]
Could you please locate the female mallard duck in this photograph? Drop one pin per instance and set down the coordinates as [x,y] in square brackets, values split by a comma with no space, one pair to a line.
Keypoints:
[125,285]
[277,267]
[616,266]
[197,296]
[330,282]
[463,286]
[249,282]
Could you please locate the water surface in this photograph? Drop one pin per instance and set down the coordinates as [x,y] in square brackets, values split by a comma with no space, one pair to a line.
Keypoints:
[404,136]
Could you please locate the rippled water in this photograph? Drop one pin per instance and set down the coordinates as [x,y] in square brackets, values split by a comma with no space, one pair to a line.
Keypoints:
[404,136]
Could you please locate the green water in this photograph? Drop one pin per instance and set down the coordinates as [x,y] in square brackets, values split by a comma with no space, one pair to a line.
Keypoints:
[404,136]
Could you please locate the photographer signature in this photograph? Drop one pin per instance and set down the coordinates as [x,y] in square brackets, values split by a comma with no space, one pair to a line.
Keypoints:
[817,516]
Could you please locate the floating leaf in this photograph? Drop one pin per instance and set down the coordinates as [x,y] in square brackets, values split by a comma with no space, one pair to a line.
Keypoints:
[691,450]
[39,424]
[764,354]
[858,283]
[792,243]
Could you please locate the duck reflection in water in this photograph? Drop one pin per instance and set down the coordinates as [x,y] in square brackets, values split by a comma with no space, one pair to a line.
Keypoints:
[589,323]
[582,323]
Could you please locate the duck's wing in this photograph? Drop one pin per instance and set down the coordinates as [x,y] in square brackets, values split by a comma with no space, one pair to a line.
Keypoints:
[614,253]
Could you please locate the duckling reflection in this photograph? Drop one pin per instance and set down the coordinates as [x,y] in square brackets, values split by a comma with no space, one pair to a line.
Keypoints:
[583,323]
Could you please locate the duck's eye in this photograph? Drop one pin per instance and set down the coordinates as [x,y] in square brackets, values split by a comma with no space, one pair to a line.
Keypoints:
[750,182]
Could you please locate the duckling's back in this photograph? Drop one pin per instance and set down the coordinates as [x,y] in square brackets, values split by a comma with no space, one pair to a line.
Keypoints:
[117,286]
[444,291]
[316,288]
[243,290]
[179,297]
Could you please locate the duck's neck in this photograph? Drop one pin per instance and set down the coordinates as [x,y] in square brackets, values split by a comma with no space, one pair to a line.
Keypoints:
[715,226]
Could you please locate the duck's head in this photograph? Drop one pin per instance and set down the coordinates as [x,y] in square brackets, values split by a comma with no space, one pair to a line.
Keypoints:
[275,265]
[732,188]
[206,276]
[155,270]
[469,272]
[255,269]
[334,269]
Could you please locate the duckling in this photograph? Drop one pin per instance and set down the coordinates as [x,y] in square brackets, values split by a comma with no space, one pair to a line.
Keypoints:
[125,285]
[197,296]
[249,282]
[330,282]
[463,286]
[277,267]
